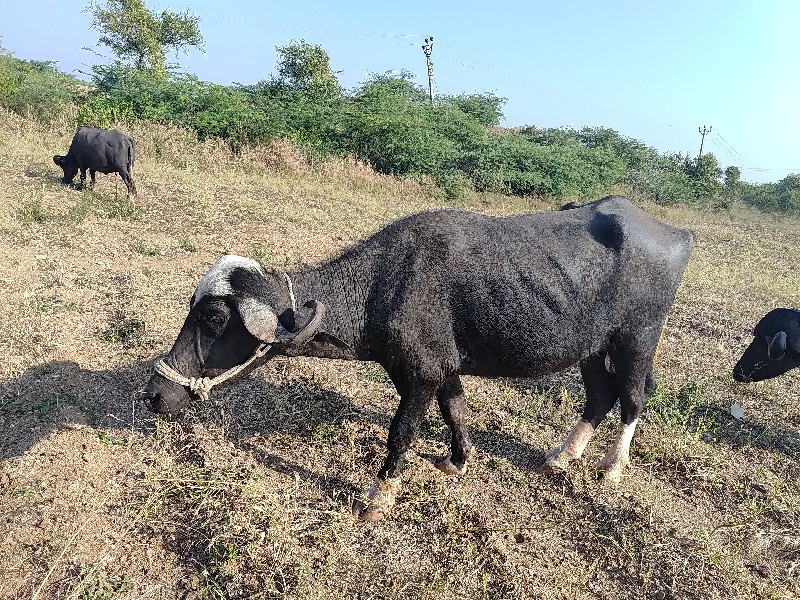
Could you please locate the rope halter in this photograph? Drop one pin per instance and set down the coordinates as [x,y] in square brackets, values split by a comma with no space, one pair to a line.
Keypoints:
[201,386]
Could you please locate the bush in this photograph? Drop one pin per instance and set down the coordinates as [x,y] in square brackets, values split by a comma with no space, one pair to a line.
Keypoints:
[36,88]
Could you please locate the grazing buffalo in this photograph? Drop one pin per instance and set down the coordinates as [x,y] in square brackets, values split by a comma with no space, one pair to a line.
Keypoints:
[443,293]
[775,348]
[104,150]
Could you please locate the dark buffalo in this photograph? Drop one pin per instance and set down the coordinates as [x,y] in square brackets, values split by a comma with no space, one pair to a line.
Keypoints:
[439,294]
[104,150]
[775,348]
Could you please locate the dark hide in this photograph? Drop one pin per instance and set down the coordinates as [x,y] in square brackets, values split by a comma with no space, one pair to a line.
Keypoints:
[442,293]
[106,151]
[775,348]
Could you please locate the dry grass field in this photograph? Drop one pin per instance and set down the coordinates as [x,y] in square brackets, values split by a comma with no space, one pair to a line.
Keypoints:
[248,496]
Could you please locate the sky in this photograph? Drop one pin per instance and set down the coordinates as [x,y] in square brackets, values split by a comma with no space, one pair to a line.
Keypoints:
[653,71]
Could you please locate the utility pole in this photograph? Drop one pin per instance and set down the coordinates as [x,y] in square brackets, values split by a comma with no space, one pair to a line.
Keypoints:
[703,132]
[426,48]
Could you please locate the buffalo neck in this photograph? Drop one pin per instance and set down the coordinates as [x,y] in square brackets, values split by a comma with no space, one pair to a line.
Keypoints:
[341,285]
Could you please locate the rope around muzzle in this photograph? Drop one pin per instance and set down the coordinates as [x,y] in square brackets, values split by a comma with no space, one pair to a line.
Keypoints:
[201,386]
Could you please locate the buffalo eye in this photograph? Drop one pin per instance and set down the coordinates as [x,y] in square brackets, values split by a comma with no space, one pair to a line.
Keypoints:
[213,322]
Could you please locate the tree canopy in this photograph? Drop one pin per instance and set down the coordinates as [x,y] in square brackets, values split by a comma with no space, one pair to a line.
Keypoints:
[141,37]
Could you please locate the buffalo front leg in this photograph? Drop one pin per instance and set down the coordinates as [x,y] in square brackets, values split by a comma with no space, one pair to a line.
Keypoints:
[83,178]
[92,174]
[415,397]
[453,408]
[601,394]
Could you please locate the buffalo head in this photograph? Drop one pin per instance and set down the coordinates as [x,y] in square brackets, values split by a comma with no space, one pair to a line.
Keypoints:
[775,348]
[69,165]
[234,311]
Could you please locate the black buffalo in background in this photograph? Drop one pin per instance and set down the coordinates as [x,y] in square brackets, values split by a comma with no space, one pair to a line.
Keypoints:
[104,150]
[775,348]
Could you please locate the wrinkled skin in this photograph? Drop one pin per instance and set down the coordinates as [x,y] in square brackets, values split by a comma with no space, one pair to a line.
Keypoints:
[775,348]
[212,340]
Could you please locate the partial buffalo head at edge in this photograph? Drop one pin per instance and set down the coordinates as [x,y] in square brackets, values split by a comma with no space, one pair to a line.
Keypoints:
[775,348]
[232,312]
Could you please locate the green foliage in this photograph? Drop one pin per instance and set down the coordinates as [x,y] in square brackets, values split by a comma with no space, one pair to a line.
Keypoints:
[706,173]
[387,121]
[788,194]
[137,35]
[731,188]
[486,109]
[306,68]
[35,87]
[783,197]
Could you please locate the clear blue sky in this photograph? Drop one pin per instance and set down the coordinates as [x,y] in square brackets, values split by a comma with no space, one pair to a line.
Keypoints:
[654,71]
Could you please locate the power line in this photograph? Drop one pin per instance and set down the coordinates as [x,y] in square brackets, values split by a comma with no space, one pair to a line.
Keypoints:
[718,135]
[387,36]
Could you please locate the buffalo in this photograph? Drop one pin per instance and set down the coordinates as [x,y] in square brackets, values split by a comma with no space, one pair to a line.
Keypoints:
[440,294]
[775,348]
[104,150]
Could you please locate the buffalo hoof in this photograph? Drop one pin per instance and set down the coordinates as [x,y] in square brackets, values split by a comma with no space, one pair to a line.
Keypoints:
[611,471]
[365,513]
[447,466]
[380,500]
[556,461]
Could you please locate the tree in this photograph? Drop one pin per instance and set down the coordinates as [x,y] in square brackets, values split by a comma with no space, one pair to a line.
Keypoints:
[486,108]
[788,191]
[142,37]
[306,68]
[706,173]
[732,182]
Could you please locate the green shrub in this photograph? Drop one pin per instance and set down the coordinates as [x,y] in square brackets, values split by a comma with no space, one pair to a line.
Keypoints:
[35,88]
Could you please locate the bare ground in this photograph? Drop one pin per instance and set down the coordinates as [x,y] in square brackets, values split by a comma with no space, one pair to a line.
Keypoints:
[249,495]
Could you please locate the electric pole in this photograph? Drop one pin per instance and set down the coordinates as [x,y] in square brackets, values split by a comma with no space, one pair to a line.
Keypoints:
[426,48]
[703,132]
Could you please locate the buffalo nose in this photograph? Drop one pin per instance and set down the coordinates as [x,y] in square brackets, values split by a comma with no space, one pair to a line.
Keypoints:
[151,401]
[739,376]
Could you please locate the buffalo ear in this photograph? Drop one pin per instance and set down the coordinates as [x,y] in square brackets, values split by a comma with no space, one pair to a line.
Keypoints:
[58,160]
[777,347]
[259,319]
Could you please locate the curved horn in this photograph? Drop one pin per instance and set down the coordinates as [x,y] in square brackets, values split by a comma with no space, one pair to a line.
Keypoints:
[777,347]
[304,335]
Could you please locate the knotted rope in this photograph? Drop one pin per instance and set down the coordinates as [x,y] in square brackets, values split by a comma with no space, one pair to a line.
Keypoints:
[202,385]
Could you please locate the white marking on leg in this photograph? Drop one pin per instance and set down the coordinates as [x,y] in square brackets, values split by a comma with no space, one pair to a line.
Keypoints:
[617,456]
[572,448]
[381,497]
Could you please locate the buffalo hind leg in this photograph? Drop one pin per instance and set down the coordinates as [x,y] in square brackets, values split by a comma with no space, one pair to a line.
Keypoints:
[636,389]
[601,394]
[126,177]
[415,398]
[453,408]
